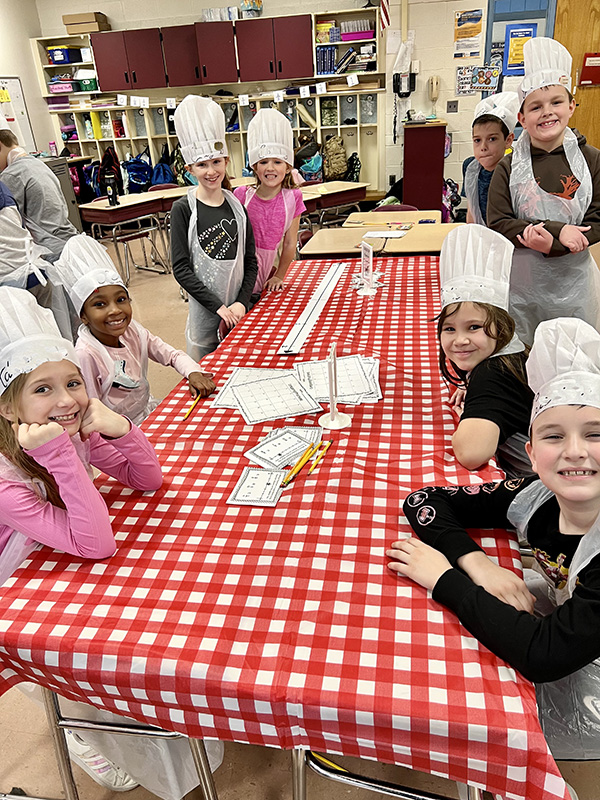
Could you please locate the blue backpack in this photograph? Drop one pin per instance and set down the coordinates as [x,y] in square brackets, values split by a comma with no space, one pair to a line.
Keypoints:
[162,172]
[139,172]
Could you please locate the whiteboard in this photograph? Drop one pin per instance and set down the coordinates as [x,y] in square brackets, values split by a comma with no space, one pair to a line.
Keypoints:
[12,105]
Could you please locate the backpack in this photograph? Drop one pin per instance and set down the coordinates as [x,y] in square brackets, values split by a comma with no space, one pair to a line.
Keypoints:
[162,172]
[353,171]
[307,149]
[110,166]
[450,199]
[90,173]
[178,167]
[139,172]
[335,161]
[312,170]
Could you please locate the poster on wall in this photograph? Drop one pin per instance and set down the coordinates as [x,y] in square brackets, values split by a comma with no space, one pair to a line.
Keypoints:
[467,33]
[485,79]
[464,77]
[515,38]
[12,105]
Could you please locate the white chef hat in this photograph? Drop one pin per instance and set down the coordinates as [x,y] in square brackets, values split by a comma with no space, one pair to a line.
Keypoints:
[4,126]
[84,266]
[504,105]
[29,336]
[200,128]
[563,367]
[475,266]
[270,136]
[547,63]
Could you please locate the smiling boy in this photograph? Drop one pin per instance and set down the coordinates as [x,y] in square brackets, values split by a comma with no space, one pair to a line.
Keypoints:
[545,198]
[493,124]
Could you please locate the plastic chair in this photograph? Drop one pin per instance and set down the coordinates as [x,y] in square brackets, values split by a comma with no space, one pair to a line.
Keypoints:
[165,218]
[303,237]
[160,186]
[399,207]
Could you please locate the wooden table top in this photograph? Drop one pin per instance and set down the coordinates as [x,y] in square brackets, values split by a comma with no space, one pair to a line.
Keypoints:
[346,241]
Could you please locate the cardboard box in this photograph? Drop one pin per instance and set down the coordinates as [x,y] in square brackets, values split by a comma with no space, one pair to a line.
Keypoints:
[86,16]
[88,27]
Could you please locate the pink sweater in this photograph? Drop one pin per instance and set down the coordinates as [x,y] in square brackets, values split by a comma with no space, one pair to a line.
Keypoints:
[82,528]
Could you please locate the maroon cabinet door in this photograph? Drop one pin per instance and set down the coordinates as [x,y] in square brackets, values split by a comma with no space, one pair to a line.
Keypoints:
[216,52]
[293,46]
[144,54]
[423,165]
[256,52]
[181,55]
[110,56]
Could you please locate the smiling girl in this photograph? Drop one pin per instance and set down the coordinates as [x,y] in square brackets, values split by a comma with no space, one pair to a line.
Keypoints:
[112,348]
[554,643]
[212,244]
[479,353]
[274,206]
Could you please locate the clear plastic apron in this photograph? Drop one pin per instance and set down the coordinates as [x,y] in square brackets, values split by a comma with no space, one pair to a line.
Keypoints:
[224,277]
[138,403]
[544,288]
[472,191]
[266,258]
[569,717]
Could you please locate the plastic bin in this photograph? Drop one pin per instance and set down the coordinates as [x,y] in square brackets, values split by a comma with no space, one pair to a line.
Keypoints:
[63,86]
[63,55]
[88,84]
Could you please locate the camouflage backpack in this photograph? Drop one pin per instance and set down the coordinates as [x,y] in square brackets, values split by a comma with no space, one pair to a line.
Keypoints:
[335,161]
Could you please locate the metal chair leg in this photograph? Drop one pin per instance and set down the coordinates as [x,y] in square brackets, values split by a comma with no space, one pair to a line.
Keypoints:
[298,774]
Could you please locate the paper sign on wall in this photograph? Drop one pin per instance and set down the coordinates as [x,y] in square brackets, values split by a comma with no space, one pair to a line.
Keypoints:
[321,88]
[144,102]
[516,36]
[244,99]
[485,79]
[352,80]
[467,33]
[463,80]
[135,101]
[278,97]
[171,102]
[121,99]
[305,91]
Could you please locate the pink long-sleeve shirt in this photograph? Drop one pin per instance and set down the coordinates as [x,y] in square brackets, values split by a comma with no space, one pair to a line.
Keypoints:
[82,528]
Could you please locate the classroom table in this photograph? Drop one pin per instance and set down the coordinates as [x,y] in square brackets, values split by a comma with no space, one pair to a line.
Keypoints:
[383,219]
[344,241]
[282,626]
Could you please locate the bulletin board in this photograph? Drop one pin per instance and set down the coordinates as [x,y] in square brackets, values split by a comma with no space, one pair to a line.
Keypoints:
[12,105]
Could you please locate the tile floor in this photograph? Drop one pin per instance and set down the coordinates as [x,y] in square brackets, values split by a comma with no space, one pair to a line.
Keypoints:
[248,772]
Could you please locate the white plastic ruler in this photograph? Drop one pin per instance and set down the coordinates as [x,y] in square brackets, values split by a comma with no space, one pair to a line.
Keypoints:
[306,321]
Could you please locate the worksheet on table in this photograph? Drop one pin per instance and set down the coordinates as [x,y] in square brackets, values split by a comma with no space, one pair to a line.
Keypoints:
[257,487]
[226,398]
[280,450]
[352,378]
[276,396]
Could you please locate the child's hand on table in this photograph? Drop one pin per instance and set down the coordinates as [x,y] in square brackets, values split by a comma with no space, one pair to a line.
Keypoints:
[536,237]
[103,420]
[457,401]
[500,582]
[201,384]
[238,310]
[572,237]
[418,561]
[274,284]
[232,314]
[35,435]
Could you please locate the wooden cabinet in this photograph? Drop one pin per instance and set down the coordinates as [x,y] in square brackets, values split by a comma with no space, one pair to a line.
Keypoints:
[181,55]
[216,52]
[129,59]
[278,48]
[424,164]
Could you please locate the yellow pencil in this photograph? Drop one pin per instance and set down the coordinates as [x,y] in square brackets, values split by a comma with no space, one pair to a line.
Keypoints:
[310,450]
[320,456]
[192,407]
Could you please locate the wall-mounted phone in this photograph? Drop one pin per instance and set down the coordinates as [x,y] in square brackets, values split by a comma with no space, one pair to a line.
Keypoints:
[433,91]
[403,83]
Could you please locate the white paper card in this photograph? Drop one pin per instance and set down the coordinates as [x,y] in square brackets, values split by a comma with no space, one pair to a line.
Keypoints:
[276,452]
[135,101]
[352,80]
[121,99]
[305,91]
[171,102]
[321,88]
[278,97]
[244,99]
[366,264]
[306,432]
[226,398]
[384,234]
[144,102]
[257,487]
[273,398]
[352,379]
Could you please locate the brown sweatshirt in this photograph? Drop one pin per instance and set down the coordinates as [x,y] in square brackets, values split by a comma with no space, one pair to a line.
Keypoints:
[553,174]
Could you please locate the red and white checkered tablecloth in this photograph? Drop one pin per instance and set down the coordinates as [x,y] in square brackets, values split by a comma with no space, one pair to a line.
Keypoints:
[282,626]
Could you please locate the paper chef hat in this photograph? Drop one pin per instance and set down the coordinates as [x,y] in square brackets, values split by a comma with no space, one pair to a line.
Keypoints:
[547,63]
[504,105]
[200,128]
[270,136]
[84,266]
[29,336]
[563,367]
[475,266]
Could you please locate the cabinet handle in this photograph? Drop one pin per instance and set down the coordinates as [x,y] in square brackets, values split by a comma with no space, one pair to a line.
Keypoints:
[271,67]
[126,77]
[133,76]
[279,68]
[204,70]
[197,71]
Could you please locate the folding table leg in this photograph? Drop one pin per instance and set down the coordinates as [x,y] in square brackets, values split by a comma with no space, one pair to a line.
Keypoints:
[61,751]
[207,783]
[298,774]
